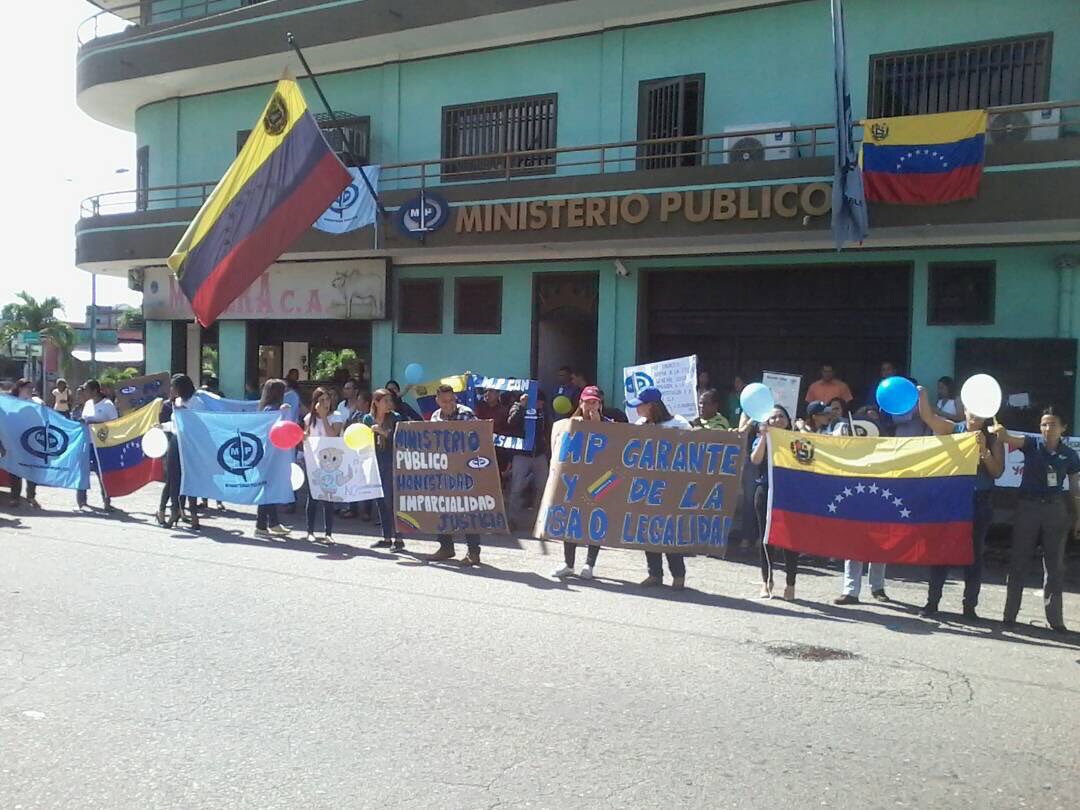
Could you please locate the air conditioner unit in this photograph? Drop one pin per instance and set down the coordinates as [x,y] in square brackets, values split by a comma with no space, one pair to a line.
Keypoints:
[765,145]
[1014,126]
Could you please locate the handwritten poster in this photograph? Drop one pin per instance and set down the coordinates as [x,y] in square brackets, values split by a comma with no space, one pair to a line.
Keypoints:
[676,379]
[446,480]
[642,487]
[339,474]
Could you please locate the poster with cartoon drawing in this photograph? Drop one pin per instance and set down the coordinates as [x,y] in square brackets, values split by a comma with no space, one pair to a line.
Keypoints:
[340,475]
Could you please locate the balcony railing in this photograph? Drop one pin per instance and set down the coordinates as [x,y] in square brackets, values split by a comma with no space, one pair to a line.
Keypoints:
[806,141]
[153,13]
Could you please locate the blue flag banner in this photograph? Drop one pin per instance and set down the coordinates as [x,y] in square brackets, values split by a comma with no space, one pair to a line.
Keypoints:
[850,223]
[355,207]
[216,404]
[229,457]
[528,387]
[40,445]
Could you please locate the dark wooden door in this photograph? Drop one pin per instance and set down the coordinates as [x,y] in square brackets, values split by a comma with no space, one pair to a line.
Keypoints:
[1044,369]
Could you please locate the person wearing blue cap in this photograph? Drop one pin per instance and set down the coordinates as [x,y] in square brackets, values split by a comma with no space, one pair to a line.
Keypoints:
[651,410]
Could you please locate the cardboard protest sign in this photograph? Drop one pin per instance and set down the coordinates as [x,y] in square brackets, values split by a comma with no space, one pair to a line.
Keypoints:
[676,379]
[785,389]
[446,480]
[642,487]
[139,391]
[339,474]
[517,386]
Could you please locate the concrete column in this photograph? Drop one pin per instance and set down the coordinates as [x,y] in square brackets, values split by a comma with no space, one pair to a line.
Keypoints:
[382,352]
[159,347]
[233,338]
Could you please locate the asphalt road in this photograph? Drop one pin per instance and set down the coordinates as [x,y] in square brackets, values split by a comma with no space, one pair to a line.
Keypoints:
[147,668]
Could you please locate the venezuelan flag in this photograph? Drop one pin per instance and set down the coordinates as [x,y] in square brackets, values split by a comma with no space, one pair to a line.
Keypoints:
[425,393]
[900,500]
[924,159]
[284,178]
[121,464]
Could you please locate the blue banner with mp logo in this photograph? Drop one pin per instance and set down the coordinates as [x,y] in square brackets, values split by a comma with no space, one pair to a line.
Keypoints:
[40,445]
[518,387]
[229,457]
[354,208]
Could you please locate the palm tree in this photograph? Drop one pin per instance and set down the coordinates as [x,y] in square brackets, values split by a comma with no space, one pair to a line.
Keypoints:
[31,315]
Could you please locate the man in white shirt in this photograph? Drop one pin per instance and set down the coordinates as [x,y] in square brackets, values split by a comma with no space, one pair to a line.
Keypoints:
[95,409]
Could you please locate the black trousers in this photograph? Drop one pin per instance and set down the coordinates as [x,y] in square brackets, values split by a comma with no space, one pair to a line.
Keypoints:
[311,511]
[386,503]
[16,489]
[791,558]
[266,516]
[655,562]
[170,493]
[446,541]
[569,551]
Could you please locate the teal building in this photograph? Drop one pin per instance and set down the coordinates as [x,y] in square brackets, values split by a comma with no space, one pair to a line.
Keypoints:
[605,182]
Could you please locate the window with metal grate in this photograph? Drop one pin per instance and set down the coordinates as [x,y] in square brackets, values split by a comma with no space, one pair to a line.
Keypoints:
[476,135]
[670,108]
[992,73]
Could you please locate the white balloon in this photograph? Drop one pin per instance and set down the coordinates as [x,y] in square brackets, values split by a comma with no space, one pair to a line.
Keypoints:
[296,475]
[155,443]
[981,396]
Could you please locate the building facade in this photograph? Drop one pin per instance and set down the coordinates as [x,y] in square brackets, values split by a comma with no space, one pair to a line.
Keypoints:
[604,182]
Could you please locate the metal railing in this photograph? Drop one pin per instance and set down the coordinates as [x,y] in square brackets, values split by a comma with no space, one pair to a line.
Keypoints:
[724,148]
[153,13]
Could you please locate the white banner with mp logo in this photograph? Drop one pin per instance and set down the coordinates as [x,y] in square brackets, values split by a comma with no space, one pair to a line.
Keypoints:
[340,475]
[355,208]
[676,379]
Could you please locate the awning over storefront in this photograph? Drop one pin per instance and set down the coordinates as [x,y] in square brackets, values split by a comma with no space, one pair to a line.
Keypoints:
[130,353]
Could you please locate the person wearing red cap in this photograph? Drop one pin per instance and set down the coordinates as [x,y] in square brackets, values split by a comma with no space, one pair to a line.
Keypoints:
[589,409]
[651,410]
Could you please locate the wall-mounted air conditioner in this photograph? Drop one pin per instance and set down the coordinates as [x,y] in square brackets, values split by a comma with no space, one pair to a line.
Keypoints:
[1014,126]
[766,145]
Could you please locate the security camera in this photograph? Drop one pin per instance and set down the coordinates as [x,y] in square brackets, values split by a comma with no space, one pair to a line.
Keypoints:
[621,270]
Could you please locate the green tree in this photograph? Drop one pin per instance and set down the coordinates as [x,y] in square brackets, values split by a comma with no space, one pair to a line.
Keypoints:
[114,375]
[328,362]
[30,315]
[131,319]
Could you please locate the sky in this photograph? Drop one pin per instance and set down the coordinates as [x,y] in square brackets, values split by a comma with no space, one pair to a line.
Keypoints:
[53,156]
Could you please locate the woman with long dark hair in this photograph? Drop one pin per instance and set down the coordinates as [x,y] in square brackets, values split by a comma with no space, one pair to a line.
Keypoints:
[651,410]
[402,408]
[781,420]
[267,523]
[383,421]
[181,396]
[318,424]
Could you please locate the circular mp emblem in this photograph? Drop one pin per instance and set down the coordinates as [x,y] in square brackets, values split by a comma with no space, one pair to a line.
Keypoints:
[277,116]
[637,382]
[241,453]
[478,463]
[44,442]
[422,215]
[346,200]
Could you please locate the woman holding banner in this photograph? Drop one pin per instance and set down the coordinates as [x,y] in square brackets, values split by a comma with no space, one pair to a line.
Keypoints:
[383,420]
[267,523]
[780,420]
[318,424]
[651,410]
[182,395]
[589,409]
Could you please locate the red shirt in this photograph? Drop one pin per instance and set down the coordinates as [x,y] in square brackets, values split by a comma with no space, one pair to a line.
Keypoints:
[828,391]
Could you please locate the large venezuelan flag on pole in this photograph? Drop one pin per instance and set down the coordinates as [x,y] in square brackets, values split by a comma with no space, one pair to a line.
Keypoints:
[425,393]
[121,463]
[901,500]
[924,159]
[284,178]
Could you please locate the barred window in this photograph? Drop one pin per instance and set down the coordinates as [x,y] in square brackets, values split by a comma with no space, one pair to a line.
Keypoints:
[472,131]
[992,73]
[349,137]
[960,293]
[670,108]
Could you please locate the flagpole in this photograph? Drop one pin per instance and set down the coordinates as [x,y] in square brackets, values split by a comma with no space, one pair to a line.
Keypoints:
[333,118]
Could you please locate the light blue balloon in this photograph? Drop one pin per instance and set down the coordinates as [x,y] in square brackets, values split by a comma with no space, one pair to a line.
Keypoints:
[757,402]
[897,396]
[414,373]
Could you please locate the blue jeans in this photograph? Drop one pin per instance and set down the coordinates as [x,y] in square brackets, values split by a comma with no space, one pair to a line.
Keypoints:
[984,515]
[853,571]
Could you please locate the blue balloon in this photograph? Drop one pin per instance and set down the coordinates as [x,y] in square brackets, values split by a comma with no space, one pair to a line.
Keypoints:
[897,395]
[414,373]
[757,402]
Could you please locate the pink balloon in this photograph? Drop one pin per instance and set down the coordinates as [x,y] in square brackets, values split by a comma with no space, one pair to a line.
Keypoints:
[286,435]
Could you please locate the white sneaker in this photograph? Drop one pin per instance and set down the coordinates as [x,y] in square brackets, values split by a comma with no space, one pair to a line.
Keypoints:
[586,572]
[311,538]
[279,531]
[563,572]
[264,533]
